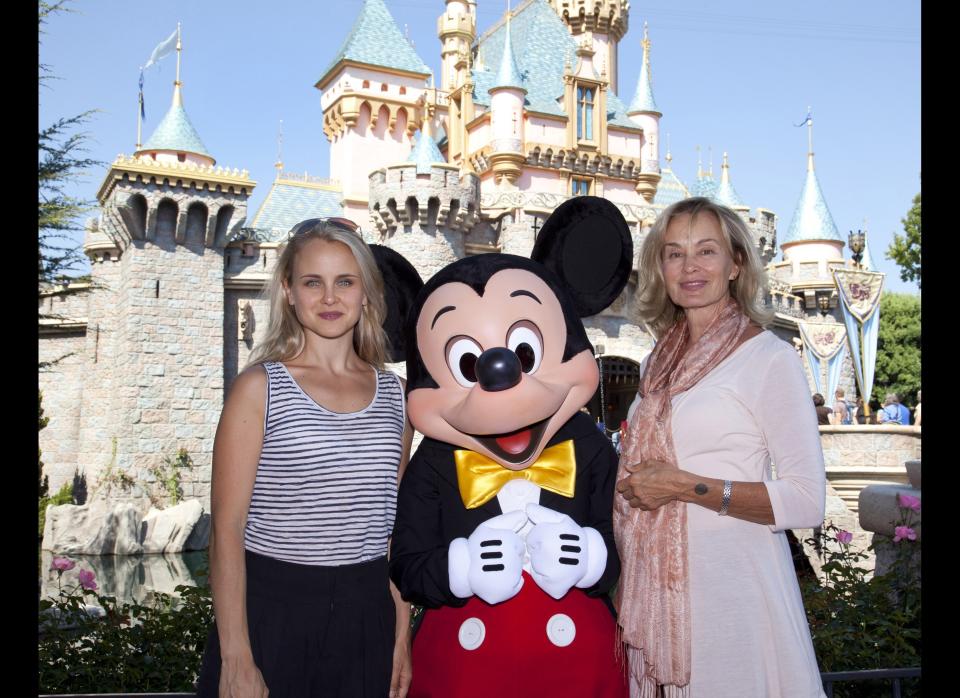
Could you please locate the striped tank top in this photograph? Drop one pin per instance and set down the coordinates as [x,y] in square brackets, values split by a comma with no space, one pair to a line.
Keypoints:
[326,486]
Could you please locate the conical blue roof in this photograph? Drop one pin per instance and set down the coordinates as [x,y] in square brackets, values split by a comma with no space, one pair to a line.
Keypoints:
[376,40]
[706,186]
[643,96]
[508,75]
[425,153]
[175,132]
[670,190]
[725,193]
[811,218]
[867,261]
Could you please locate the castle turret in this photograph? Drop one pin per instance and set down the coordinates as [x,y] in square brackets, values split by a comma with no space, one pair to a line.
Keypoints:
[155,326]
[726,194]
[644,112]
[604,22]
[423,207]
[372,96]
[457,30]
[506,116]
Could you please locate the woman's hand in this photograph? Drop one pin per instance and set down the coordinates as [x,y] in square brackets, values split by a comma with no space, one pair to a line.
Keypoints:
[650,484]
[241,679]
[402,668]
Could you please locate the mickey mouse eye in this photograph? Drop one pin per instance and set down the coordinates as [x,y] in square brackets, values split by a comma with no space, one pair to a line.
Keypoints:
[525,341]
[462,354]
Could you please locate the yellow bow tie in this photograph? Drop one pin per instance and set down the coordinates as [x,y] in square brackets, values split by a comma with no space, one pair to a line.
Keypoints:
[480,478]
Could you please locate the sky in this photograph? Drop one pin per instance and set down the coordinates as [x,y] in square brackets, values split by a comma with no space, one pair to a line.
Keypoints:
[734,76]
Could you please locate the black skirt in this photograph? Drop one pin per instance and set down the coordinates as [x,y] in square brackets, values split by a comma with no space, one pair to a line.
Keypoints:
[314,631]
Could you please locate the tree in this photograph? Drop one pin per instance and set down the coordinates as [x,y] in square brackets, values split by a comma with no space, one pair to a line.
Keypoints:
[905,249]
[898,347]
[61,160]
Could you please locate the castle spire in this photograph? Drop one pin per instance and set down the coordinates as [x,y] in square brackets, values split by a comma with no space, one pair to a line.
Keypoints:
[726,194]
[811,218]
[175,133]
[643,100]
[508,75]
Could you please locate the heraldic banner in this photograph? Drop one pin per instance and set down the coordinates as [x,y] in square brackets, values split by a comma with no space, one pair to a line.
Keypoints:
[824,342]
[860,304]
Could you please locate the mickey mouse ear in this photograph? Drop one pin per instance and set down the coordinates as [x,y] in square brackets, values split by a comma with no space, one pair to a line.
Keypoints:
[586,242]
[401,283]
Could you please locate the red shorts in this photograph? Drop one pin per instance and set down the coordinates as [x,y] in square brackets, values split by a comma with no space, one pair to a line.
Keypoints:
[530,645]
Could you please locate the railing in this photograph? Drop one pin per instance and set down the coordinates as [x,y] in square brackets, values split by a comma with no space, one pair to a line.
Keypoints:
[831,677]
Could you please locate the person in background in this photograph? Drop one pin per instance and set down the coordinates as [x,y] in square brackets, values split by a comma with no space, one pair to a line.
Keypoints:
[892,411]
[823,412]
[312,441]
[618,436]
[859,414]
[916,411]
[708,599]
[842,413]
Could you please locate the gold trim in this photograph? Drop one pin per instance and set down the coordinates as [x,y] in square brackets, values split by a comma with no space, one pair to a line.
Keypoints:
[190,175]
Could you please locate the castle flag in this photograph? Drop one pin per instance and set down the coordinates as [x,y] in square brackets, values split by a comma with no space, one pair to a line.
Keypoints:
[164,48]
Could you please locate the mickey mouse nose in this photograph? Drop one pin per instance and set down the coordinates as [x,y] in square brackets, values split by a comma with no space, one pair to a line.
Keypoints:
[498,369]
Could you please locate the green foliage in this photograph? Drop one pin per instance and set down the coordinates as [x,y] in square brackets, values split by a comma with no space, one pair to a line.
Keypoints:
[63,496]
[153,646]
[61,161]
[169,476]
[905,249]
[44,483]
[859,622]
[113,477]
[898,348]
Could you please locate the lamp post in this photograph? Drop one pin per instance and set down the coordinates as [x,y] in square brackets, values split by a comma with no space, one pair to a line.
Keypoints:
[603,420]
[857,241]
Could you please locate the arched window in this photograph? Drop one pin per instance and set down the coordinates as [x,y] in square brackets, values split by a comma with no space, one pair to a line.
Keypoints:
[181,157]
[383,87]
[585,113]
[403,90]
[366,84]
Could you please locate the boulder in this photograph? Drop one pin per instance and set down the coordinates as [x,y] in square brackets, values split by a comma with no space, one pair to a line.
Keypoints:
[92,529]
[168,530]
[880,511]
[913,472]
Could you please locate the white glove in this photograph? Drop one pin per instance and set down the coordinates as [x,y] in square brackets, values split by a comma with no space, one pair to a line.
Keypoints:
[490,562]
[562,553]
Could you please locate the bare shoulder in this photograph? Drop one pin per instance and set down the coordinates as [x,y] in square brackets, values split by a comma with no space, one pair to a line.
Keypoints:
[249,388]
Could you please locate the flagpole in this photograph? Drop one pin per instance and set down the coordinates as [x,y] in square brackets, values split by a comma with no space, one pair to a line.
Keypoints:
[140,109]
[179,48]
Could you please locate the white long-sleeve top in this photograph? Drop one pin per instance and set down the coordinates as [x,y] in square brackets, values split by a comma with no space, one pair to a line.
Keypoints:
[750,633]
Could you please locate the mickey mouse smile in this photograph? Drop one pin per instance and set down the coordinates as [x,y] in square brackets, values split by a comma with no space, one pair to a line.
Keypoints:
[515,446]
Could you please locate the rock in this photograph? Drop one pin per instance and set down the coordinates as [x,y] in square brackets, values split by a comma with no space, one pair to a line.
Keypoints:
[913,472]
[92,529]
[880,511]
[168,530]
[200,536]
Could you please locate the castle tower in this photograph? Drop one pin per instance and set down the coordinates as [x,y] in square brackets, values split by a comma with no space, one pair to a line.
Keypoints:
[643,111]
[605,22]
[155,328]
[457,30]
[372,96]
[726,194]
[423,207]
[506,117]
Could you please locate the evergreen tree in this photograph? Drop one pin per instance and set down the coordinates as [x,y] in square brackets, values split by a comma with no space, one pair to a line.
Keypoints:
[898,348]
[61,160]
[905,249]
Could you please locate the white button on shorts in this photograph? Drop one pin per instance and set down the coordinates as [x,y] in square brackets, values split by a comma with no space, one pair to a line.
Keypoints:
[472,632]
[561,629]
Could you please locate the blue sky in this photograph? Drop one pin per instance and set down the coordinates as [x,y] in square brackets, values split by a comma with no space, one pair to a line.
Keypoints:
[732,76]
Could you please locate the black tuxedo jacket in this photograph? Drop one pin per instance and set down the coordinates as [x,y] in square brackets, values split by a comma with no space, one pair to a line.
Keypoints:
[430,512]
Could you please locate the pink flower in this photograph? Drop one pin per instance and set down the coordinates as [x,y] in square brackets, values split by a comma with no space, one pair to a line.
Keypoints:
[904,532]
[62,564]
[86,579]
[908,501]
[844,537]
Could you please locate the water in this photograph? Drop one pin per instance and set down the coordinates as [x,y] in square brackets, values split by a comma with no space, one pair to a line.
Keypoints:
[128,577]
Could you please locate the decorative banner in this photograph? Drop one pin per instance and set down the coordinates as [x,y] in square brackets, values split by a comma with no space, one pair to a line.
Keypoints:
[859,290]
[860,304]
[824,342]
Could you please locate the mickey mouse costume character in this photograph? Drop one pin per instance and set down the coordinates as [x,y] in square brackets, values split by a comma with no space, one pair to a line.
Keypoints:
[503,529]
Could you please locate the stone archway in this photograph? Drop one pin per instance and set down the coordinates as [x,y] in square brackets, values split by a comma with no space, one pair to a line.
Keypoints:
[620,377]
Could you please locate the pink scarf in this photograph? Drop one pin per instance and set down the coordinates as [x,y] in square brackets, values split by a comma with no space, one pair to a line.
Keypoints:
[653,596]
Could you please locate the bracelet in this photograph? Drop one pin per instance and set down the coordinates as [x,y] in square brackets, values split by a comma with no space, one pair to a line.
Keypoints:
[725,500]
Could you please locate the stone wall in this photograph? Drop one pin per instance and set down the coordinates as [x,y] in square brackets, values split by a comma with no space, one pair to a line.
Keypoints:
[61,383]
[860,455]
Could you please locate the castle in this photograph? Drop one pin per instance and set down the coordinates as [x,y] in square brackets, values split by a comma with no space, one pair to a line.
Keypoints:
[526,114]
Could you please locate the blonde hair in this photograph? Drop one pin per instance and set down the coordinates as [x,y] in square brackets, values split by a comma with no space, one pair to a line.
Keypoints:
[653,303]
[284,338]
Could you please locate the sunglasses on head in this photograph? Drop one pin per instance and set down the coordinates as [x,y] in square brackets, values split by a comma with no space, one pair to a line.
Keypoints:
[312,223]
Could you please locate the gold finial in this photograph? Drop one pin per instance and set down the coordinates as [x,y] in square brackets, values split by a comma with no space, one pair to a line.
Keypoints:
[699,164]
[710,157]
[725,170]
[645,43]
[669,157]
[809,140]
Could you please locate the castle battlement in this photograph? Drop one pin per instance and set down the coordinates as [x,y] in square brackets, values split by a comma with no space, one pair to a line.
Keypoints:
[441,197]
